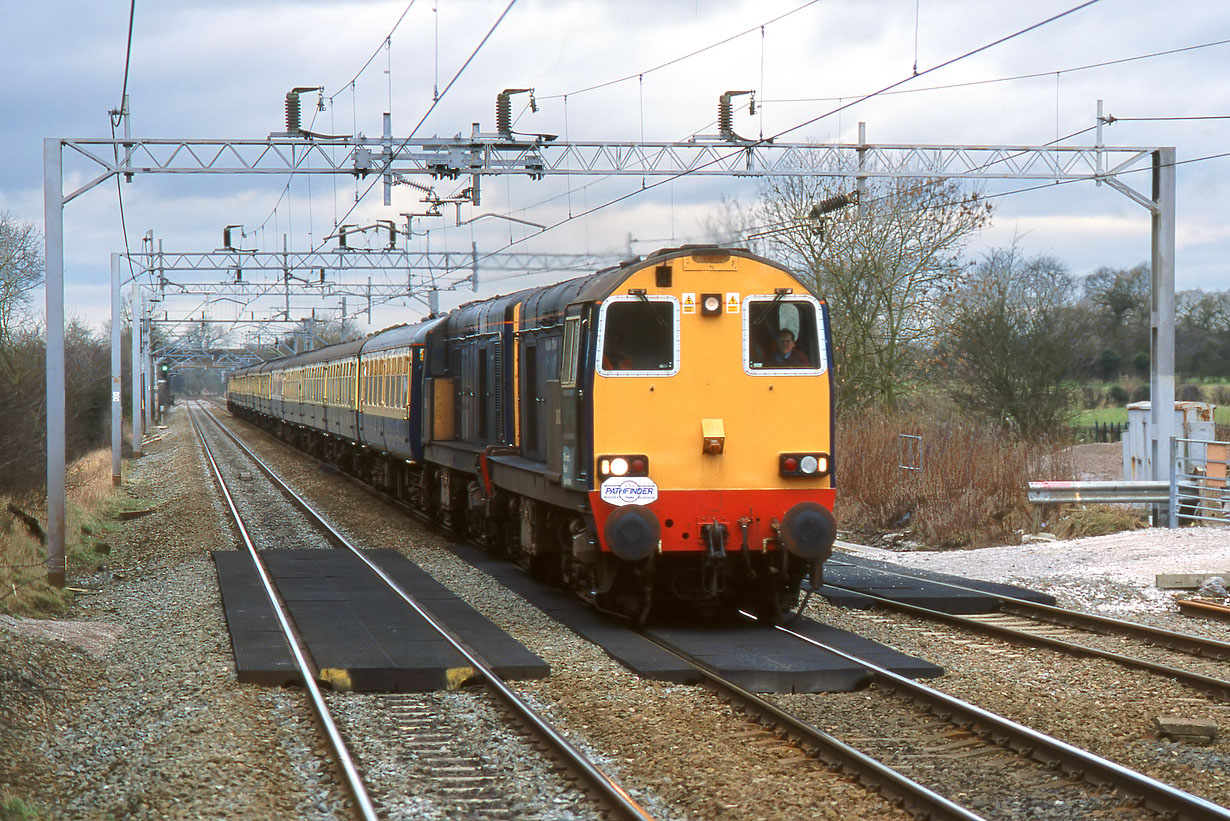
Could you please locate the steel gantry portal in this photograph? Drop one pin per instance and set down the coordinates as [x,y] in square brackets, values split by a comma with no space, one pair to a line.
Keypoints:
[395,160]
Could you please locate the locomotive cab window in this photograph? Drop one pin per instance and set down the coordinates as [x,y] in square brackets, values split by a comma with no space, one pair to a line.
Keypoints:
[639,336]
[783,335]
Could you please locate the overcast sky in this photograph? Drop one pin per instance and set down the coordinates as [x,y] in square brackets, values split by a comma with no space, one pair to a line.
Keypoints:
[222,69]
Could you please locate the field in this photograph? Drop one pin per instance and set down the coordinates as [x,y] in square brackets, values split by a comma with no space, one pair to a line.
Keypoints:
[1119,415]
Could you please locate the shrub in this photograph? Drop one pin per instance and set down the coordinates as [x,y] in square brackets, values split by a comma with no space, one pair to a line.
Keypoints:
[23,569]
[1140,393]
[1221,394]
[1191,393]
[13,808]
[1117,395]
[970,490]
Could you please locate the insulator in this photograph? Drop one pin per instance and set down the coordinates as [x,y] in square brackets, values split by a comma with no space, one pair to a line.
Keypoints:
[831,204]
[503,114]
[726,124]
[292,112]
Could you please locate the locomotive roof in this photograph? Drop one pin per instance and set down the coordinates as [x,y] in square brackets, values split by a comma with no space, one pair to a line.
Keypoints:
[540,303]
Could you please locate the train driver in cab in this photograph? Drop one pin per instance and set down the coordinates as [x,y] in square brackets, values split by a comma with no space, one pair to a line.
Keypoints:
[614,356]
[787,354]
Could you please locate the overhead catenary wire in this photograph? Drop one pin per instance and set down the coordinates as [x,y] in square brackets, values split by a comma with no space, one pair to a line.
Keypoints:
[843,106]
[1030,76]
[116,117]
[841,99]
[571,216]
[1167,119]
[689,55]
[120,109]
[1111,62]
[377,177]
[383,44]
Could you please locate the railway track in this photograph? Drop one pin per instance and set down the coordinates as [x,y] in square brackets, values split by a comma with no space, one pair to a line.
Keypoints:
[452,777]
[339,750]
[910,795]
[928,732]
[971,738]
[1203,660]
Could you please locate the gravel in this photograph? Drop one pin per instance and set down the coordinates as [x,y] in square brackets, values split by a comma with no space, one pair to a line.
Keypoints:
[674,747]
[136,712]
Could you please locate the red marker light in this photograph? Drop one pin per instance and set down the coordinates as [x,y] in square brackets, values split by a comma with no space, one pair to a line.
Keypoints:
[639,466]
[790,464]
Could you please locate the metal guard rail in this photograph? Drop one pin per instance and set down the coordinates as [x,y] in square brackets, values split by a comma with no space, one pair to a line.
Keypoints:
[1196,492]
[1117,492]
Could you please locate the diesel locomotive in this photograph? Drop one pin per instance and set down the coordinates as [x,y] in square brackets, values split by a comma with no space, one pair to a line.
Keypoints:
[654,436]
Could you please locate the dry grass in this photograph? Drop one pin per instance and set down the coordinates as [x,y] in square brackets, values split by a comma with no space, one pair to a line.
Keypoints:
[969,490]
[23,572]
[1097,521]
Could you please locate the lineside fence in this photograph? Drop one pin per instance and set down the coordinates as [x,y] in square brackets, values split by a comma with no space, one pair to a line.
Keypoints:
[1099,432]
[1197,493]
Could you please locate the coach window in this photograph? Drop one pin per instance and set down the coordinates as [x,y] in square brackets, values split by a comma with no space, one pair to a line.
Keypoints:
[639,336]
[783,334]
[568,368]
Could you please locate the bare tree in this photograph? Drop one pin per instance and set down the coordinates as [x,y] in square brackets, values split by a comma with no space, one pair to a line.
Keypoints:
[732,223]
[883,265]
[21,269]
[1016,341]
[1202,335]
[1120,302]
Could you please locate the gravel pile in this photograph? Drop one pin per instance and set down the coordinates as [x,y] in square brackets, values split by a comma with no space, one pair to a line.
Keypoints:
[1114,575]
[155,726]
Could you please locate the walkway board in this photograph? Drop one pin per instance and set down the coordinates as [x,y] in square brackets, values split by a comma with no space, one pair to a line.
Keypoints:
[847,575]
[758,659]
[360,635]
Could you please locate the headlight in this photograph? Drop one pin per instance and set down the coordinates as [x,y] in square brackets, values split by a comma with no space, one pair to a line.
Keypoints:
[609,466]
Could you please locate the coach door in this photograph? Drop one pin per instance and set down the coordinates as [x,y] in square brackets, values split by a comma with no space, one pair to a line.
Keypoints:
[574,441]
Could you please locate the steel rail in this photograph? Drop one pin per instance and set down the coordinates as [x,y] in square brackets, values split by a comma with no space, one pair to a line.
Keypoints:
[615,794]
[340,751]
[1217,686]
[893,785]
[911,795]
[1161,797]
[1204,608]
[1171,639]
